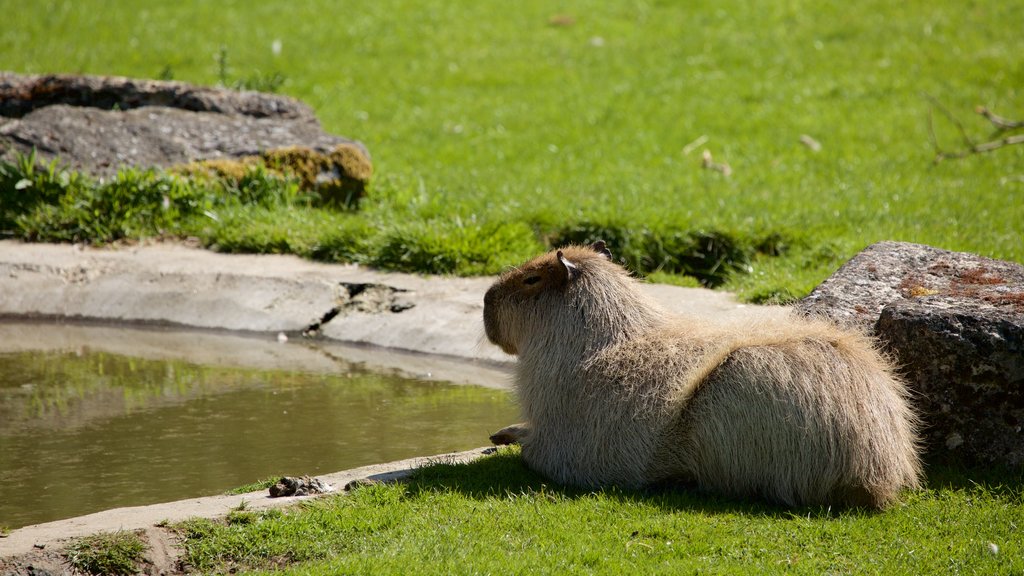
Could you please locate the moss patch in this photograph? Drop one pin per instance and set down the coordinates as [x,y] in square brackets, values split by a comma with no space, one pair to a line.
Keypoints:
[337,178]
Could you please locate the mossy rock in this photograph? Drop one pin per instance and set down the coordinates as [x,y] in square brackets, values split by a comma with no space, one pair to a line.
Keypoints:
[337,178]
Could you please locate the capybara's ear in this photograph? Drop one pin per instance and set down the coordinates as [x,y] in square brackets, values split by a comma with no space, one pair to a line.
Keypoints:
[567,268]
[601,248]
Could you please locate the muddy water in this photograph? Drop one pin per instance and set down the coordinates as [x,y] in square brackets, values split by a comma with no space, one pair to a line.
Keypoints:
[86,430]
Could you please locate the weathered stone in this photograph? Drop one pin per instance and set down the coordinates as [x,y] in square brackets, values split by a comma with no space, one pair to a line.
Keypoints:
[967,366]
[21,94]
[299,486]
[101,141]
[101,124]
[955,323]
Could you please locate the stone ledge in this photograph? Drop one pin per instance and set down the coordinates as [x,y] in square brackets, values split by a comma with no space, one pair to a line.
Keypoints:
[955,323]
[175,285]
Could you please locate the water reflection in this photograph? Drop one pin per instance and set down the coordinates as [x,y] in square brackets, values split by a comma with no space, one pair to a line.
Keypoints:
[85,431]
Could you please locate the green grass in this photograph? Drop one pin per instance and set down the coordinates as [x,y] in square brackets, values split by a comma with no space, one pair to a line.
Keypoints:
[107,553]
[496,134]
[494,516]
[263,484]
[485,123]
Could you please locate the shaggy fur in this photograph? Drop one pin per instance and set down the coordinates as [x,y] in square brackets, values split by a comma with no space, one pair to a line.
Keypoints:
[617,391]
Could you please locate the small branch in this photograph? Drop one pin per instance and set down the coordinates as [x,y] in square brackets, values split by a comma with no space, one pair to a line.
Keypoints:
[810,142]
[980,148]
[998,121]
[945,112]
[970,148]
[700,141]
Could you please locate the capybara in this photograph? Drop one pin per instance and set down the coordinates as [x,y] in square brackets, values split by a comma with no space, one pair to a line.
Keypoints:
[616,390]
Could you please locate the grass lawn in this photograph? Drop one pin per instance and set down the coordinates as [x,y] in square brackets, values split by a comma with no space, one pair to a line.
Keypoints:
[497,131]
[495,517]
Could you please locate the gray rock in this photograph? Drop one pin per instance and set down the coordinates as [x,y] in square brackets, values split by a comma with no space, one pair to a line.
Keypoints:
[101,141]
[100,124]
[299,486]
[955,323]
[21,94]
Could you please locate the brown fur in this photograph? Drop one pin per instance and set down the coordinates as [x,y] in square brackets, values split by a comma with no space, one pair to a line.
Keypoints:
[617,391]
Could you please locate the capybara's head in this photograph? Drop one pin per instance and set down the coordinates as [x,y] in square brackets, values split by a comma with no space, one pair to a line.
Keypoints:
[536,294]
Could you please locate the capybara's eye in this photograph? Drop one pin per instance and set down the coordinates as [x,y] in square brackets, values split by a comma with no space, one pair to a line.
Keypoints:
[531,280]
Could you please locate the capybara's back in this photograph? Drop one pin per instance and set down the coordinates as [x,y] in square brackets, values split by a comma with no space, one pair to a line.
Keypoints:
[806,420]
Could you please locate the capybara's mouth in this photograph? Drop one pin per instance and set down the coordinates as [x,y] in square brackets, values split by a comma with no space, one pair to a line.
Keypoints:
[494,335]
[491,324]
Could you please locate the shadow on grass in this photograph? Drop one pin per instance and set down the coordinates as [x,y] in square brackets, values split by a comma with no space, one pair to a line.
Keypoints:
[503,474]
[997,481]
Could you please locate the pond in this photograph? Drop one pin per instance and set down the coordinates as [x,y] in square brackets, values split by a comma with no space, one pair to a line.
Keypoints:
[94,418]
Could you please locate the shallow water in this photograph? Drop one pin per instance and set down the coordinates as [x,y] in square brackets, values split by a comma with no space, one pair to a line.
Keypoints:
[83,431]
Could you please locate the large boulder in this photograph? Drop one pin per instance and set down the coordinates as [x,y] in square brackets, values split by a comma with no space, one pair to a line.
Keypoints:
[100,124]
[955,324]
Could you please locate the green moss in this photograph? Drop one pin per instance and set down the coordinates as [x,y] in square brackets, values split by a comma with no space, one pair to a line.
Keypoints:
[337,178]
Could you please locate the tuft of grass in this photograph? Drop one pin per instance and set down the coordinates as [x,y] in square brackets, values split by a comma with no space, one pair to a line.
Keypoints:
[454,247]
[47,203]
[258,81]
[240,517]
[673,279]
[263,484]
[134,204]
[107,553]
[711,257]
[50,204]
[496,516]
[26,184]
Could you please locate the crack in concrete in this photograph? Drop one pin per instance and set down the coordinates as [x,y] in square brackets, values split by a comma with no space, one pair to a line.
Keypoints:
[366,297]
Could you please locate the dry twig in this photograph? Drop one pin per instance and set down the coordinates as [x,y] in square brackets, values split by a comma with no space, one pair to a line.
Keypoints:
[970,147]
[998,121]
[810,142]
[708,163]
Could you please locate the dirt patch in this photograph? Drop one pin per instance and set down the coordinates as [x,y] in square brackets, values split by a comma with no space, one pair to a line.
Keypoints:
[39,562]
[164,556]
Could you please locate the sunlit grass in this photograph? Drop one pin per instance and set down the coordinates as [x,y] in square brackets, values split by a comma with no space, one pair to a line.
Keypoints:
[552,117]
[494,516]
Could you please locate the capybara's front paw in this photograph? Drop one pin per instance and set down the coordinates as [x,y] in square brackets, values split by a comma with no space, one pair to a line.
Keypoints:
[510,434]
